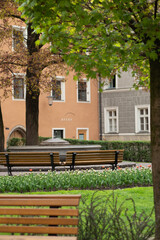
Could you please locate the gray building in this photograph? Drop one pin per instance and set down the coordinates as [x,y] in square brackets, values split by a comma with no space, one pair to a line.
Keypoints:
[125,112]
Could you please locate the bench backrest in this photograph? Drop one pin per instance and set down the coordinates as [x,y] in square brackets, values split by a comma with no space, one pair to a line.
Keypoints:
[94,157]
[29,158]
[39,214]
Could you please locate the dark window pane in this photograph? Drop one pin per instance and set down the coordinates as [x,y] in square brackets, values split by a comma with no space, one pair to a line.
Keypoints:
[58,133]
[82,91]
[112,83]
[18,39]
[56,90]
[18,88]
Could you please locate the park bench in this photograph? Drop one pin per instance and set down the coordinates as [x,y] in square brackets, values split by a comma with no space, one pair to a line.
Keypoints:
[30,159]
[96,157]
[55,216]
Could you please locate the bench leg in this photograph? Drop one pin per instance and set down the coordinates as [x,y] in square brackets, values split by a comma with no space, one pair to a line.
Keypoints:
[73,161]
[8,165]
[53,225]
[116,160]
[113,167]
[52,161]
[9,171]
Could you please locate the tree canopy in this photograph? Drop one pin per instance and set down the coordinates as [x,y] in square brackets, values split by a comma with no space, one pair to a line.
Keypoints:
[104,37]
[21,55]
[98,36]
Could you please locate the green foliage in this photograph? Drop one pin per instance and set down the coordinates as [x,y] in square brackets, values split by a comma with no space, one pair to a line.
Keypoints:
[22,141]
[16,142]
[135,151]
[87,179]
[41,139]
[116,34]
[103,218]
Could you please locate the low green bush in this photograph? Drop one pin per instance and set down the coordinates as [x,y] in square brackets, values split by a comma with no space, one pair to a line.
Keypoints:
[103,218]
[135,151]
[16,142]
[22,141]
[87,179]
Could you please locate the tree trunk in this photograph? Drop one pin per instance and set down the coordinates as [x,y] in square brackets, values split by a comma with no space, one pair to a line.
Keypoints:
[155,137]
[32,90]
[1,131]
[32,117]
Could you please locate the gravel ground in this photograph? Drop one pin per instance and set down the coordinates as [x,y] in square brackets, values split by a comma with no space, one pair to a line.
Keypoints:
[26,170]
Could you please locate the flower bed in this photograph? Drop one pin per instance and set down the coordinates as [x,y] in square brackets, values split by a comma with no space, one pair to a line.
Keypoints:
[86,179]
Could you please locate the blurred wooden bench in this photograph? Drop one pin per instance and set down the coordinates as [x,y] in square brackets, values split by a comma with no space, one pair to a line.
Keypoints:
[96,157]
[39,214]
[30,159]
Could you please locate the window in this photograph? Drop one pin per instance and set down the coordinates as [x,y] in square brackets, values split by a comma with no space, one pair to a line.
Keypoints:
[58,89]
[110,84]
[19,37]
[111,120]
[18,87]
[83,91]
[142,118]
[58,133]
[83,133]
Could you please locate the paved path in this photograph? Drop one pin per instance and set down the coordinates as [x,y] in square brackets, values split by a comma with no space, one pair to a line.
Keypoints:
[27,170]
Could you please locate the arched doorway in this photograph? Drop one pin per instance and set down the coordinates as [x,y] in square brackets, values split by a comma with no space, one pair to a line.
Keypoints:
[17,132]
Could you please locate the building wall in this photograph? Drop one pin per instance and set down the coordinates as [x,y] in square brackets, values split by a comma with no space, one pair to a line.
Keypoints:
[71,114]
[125,99]
[68,115]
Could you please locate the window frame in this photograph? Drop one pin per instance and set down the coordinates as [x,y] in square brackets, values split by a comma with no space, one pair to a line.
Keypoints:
[137,118]
[20,29]
[63,129]
[88,91]
[87,132]
[107,83]
[106,120]
[18,76]
[62,80]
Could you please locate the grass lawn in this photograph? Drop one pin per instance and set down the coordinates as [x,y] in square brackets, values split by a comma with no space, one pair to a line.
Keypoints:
[143,196]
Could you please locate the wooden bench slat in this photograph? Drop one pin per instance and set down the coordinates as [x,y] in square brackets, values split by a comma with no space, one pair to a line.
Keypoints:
[15,237]
[42,221]
[28,153]
[45,215]
[39,202]
[40,229]
[94,157]
[39,212]
[11,159]
[40,196]
[95,151]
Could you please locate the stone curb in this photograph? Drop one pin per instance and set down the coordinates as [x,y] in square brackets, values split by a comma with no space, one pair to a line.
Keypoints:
[44,169]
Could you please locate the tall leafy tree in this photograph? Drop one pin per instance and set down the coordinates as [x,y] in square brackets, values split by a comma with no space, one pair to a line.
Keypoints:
[1,131]
[102,37]
[36,61]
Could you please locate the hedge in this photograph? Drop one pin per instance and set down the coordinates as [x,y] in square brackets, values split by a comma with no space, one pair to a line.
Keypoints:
[135,151]
[22,141]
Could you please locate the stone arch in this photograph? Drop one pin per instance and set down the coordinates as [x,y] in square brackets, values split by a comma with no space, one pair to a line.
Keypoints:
[17,132]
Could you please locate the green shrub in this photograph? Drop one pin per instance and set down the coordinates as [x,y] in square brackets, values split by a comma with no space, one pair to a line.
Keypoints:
[41,139]
[22,141]
[87,179]
[135,151]
[105,219]
[16,142]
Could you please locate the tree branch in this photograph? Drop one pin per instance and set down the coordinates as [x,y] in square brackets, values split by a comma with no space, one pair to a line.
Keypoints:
[155,9]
